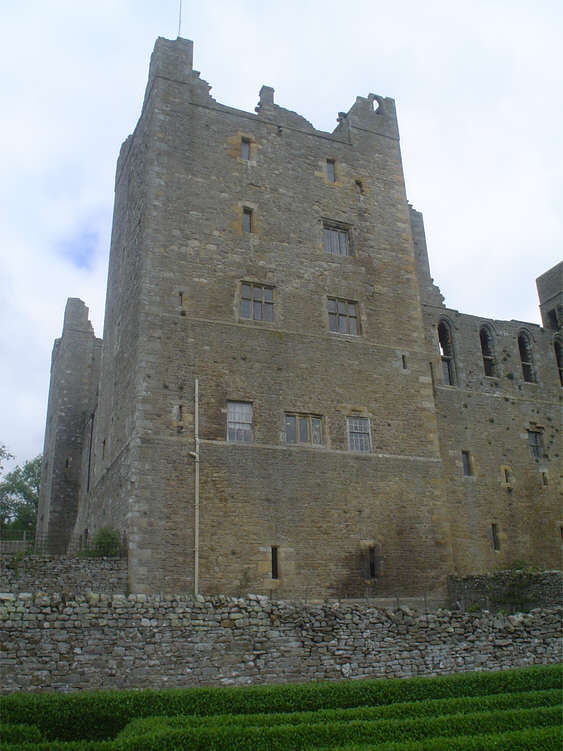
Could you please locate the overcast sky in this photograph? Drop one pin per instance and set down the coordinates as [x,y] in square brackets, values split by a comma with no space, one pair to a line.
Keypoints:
[478,87]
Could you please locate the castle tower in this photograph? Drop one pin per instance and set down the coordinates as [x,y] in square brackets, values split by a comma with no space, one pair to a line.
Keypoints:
[274,263]
[75,369]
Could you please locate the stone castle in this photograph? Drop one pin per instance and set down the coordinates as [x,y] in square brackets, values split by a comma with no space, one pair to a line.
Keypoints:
[281,403]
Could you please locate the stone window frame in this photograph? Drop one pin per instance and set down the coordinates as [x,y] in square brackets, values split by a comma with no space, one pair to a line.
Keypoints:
[303,419]
[488,351]
[236,432]
[337,239]
[535,443]
[339,317]
[558,349]
[331,170]
[526,357]
[247,220]
[245,148]
[359,440]
[260,308]
[467,464]
[447,352]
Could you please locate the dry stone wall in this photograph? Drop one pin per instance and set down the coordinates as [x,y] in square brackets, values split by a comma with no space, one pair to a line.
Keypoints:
[44,573]
[90,641]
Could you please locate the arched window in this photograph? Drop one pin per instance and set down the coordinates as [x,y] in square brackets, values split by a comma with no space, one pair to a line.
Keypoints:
[526,357]
[559,357]
[488,351]
[446,353]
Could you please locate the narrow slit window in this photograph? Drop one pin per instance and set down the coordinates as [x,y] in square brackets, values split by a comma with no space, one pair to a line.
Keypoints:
[495,537]
[559,357]
[247,220]
[180,299]
[466,462]
[544,479]
[404,361]
[180,413]
[372,562]
[446,353]
[488,352]
[526,357]
[331,170]
[359,186]
[275,564]
[507,476]
[245,149]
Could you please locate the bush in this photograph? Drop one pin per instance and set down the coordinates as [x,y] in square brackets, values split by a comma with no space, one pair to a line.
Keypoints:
[19,733]
[106,543]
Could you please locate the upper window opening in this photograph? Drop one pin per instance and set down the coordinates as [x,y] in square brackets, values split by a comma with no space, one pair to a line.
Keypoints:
[552,319]
[526,357]
[535,441]
[304,429]
[245,149]
[343,316]
[359,435]
[359,186]
[466,461]
[247,221]
[336,240]
[446,353]
[488,351]
[239,422]
[257,302]
[494,535]
[275,563]
[331,170]
[559,358]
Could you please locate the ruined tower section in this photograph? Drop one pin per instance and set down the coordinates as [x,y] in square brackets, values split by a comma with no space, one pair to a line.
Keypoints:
[274,264]
[75,368]
[550,292]
[497,388]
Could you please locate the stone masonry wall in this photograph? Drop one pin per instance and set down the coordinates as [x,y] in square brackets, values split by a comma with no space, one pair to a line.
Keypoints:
[93,641]
[43,573]
[507,590]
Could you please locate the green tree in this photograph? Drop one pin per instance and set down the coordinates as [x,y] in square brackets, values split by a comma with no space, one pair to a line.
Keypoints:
[19,496]
[4,456]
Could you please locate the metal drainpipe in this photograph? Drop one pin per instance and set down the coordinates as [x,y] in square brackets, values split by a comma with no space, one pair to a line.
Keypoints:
[196,510]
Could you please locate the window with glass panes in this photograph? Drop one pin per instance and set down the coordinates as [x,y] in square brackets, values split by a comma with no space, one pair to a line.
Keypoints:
[304,429]
[535,441]
[336,240]
[239,422]
[257,302]
[343,316]
[359,438]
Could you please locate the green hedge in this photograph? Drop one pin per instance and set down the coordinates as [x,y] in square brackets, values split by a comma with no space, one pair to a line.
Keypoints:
[305,736]
[537,739]
[434,707]
[11,733]
[103,714]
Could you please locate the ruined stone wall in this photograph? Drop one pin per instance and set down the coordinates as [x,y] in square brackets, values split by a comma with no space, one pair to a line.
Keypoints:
[97,641]
[517,589]
[491,418]
[75,369]
[61,574]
